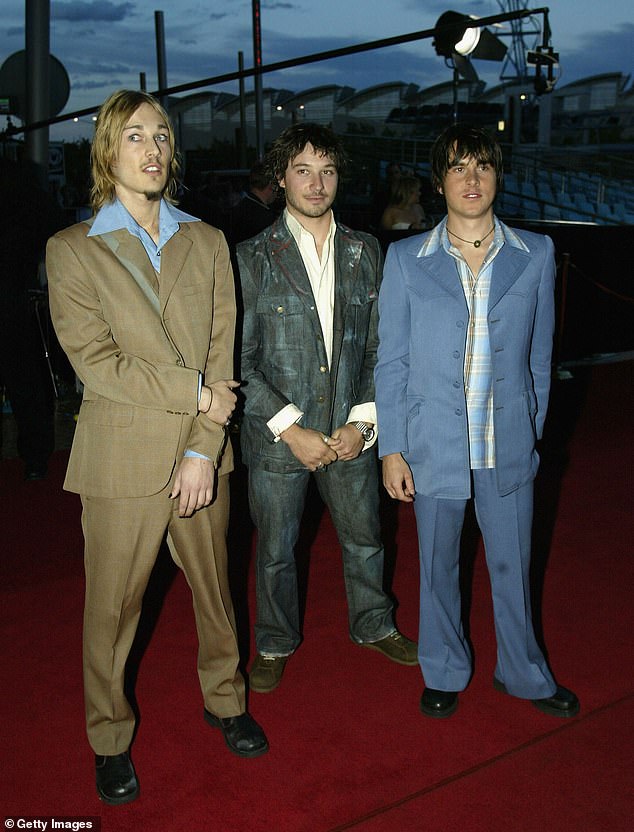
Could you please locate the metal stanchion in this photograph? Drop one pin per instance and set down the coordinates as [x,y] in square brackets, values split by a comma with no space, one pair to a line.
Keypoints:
[559,339]
[39,300]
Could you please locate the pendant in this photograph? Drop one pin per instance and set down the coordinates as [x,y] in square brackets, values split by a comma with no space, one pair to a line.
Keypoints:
[477,243]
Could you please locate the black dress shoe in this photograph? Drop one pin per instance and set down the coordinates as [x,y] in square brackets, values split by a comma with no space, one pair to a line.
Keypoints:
[35,472]
[438,703]
[242,733]
[563,702]
[116,780]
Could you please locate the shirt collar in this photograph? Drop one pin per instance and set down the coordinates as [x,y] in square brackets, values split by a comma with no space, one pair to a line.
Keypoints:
[113,216]
[298,230]
[438,238]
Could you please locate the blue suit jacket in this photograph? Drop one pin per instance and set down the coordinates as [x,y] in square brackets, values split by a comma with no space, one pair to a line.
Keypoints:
[283,354]
[420,396]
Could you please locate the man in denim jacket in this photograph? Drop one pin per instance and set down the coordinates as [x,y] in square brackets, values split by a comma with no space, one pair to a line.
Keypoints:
[309,289]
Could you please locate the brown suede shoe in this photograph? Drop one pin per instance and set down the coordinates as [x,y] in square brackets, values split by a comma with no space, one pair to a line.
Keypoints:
[397,647]
[266,673]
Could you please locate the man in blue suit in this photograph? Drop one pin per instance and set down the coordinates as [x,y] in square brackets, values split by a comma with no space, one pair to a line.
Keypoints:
[309,291]
[466,319]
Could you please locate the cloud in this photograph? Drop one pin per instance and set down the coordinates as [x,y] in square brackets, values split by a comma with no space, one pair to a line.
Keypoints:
[79,10]
[609,50]
[110,83]
[272,6]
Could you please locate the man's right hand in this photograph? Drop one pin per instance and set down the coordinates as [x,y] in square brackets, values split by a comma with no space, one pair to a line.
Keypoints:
[397,478]
[309,446]
[218,401]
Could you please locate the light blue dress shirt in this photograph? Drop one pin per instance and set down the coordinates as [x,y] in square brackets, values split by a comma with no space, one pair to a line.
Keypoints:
[114,216]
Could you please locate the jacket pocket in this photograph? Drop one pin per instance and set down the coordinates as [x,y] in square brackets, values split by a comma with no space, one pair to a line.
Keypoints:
[282,322]
[106,413]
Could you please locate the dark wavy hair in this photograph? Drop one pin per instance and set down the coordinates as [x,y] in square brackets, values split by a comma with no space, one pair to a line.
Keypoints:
[112,118]
[463,141]
[294,139]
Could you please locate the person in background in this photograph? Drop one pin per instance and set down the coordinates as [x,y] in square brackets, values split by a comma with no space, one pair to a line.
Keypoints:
[142,299]
[404,211]
[30,216]
[309,289]
[462,385]
[256,210]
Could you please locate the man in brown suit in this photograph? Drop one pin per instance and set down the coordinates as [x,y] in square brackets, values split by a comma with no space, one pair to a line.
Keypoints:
[142,299]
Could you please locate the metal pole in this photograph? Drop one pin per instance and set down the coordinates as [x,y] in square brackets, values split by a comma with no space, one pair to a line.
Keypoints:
[456,83]
[545,120]
[38,92]
[160,56]
[243,115]
[257,65]
[295,62]
[142,82]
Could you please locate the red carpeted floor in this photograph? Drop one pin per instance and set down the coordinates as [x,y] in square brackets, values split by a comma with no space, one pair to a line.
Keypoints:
[349,747]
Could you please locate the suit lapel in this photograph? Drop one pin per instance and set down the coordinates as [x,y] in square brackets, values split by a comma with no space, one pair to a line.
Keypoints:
[440,267]
[126,249]
[347,255]
[174,256]
[508,265]
[285,254]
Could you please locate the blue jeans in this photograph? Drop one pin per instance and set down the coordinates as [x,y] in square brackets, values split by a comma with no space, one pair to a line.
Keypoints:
[350,491]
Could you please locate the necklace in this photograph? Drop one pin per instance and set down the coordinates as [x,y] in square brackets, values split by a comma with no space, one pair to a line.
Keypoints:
[474,243]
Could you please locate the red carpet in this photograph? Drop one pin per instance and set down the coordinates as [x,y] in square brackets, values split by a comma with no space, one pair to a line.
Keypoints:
[349,747]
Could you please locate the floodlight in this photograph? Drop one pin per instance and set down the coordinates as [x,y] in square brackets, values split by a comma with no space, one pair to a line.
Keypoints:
[455,34]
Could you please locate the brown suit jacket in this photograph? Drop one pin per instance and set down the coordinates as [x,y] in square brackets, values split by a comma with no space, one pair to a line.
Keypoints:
[139,361]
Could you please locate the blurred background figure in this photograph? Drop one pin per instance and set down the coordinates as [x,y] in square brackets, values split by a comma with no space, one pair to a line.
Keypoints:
[30,216]
[256,210]
[404,210]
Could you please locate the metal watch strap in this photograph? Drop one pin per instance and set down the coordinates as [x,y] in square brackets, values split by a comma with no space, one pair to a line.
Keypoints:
[365,430]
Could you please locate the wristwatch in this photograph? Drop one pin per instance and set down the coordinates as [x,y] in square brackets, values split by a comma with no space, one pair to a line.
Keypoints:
[365,430]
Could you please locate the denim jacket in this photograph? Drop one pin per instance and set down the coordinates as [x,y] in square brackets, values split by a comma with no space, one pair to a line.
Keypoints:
[283,354]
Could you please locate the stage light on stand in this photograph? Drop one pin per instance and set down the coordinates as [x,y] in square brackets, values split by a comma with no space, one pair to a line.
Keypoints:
[456,36]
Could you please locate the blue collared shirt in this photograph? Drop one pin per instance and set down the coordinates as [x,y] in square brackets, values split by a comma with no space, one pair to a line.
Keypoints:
[114,216]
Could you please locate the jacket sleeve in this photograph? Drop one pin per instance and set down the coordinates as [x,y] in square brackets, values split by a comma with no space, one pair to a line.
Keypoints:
[219,364]
[542,340]
[366,389]
[392,369]
[262,399]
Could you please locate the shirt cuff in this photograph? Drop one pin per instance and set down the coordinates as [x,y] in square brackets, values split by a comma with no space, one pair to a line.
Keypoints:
[365,412]
[196,455]
[283,419]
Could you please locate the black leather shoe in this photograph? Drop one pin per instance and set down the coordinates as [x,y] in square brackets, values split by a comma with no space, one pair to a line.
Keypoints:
[562,703]
[116,780]
[35,472]
[242,733]
[438,703]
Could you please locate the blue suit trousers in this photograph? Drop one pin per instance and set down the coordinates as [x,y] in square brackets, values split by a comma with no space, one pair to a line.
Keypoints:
[505,523]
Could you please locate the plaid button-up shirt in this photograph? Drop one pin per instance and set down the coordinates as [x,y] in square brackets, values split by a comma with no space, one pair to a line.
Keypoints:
[477,362]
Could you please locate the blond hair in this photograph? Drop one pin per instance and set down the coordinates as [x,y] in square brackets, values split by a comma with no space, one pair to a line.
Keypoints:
[112,118]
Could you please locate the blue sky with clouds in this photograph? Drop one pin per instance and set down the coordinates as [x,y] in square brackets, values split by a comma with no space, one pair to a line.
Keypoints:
[106,44]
